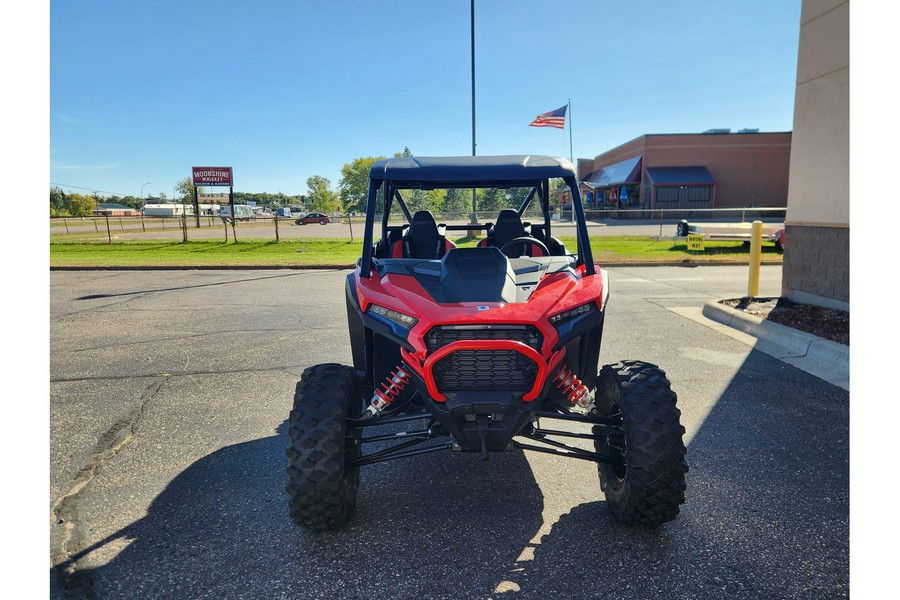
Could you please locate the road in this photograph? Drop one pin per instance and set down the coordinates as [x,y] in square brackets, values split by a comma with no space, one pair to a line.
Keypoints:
[213,228]
[169,393]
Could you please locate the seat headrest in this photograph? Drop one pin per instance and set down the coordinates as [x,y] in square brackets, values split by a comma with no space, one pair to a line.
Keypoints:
[508,227]
[423,224]
[423,237]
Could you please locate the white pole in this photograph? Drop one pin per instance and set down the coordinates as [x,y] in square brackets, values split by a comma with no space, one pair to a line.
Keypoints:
[571,158]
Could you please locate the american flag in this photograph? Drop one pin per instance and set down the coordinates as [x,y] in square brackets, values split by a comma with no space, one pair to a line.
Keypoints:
[554,118]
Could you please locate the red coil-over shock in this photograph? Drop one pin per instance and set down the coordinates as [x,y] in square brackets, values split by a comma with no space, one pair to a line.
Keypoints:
[391,388]
[574,391]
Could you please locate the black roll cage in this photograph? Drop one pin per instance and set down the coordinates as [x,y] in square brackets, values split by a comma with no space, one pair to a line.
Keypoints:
[540,187]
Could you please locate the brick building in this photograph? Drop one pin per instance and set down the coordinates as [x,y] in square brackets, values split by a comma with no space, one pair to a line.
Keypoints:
[115,210]
[714,169]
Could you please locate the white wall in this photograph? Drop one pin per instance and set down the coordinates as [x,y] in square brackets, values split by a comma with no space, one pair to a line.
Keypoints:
[819,188]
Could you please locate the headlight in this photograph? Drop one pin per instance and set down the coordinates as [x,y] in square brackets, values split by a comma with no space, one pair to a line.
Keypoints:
[398,318]
[560,318]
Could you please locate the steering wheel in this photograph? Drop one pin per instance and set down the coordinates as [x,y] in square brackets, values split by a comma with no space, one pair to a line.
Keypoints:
[522,240]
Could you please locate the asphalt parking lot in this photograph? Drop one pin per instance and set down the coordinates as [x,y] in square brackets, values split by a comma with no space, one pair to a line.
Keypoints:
[169,394]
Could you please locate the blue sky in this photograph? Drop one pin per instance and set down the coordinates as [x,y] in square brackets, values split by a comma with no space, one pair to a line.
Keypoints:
[280,91]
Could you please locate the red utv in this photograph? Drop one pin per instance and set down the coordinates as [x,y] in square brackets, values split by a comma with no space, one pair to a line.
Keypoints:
[476,349]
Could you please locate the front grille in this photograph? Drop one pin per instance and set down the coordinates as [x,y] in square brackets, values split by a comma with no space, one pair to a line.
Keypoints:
[484,369]
[438,337]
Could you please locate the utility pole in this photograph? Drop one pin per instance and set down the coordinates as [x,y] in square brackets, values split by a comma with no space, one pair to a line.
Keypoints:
[472,17]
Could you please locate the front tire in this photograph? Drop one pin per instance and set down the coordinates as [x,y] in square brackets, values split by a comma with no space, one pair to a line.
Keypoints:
[322,489]
[649,488]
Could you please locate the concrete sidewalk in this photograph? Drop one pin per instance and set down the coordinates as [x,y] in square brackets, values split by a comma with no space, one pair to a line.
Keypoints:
[823,358]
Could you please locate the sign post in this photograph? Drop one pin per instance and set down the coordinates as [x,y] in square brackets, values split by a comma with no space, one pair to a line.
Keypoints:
[233,216]
[196,207]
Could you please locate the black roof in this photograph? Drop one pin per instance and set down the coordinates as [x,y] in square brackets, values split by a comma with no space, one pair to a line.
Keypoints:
[462,171]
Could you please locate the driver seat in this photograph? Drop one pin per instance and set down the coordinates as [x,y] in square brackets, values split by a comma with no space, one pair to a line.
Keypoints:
[509,227]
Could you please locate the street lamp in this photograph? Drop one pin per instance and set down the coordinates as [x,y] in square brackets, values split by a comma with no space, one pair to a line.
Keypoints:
[142,194]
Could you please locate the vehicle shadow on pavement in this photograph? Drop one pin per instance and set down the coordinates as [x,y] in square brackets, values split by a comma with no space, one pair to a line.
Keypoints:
[766,516]
[438,526]
[766,512]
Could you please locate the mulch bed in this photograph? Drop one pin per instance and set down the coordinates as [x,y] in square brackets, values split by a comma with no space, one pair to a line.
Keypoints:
[828,323]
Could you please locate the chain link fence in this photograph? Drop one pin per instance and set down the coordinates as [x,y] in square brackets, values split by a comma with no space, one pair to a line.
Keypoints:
[273,227]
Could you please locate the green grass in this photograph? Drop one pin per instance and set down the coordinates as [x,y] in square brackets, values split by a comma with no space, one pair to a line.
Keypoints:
[646,249]
[206,253]
[316,252]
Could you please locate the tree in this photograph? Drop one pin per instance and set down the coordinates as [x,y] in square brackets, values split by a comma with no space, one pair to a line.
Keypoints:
[457,203]
[432,200]
[83,206]
[354,183]
[185,189]
[493,200]
[60,202]
[322,198]
[131,201]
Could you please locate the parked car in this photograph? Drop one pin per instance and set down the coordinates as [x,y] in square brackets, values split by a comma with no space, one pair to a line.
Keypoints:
[313,218]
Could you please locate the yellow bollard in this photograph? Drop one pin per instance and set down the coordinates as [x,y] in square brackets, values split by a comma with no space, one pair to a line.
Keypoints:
[755,258]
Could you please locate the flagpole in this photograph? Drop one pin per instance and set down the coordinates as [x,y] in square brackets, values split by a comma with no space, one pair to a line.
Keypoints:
[571,159]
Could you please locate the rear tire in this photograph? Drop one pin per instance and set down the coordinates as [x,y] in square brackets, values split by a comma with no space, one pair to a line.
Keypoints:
[321,488]
[649,488]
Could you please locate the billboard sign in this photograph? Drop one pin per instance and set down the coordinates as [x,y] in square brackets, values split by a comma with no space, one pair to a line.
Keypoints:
[212,176]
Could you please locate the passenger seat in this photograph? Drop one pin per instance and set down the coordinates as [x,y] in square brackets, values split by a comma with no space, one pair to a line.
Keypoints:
[422,240]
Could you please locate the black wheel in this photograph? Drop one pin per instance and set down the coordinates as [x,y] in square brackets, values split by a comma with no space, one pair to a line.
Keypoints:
[649,488]
[321,488]
[322,222]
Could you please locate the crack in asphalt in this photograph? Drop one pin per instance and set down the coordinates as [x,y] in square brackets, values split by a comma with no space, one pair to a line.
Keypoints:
[286,368]
[187,287]
[202,335]
[64,537]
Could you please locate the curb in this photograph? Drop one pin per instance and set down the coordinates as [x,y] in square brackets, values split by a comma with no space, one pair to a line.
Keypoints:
[799,343]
